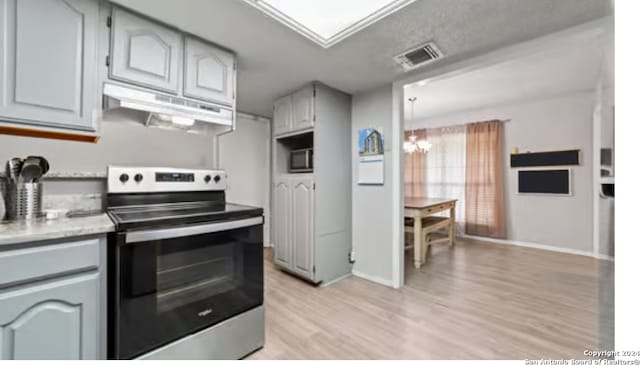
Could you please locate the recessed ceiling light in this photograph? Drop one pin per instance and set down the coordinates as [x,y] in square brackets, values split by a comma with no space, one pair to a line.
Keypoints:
[327,22]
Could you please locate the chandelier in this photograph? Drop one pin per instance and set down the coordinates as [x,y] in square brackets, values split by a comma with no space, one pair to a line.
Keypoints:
[414,144]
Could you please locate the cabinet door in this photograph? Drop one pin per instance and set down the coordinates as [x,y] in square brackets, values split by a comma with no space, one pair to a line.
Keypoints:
[48,62]
[303,109]
[144,53]
[56,320]
[282,223]
[302,226]
[282,115]
[209,72]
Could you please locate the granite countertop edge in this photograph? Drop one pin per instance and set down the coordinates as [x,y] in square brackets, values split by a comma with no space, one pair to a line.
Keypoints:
[80,175]
[12,233]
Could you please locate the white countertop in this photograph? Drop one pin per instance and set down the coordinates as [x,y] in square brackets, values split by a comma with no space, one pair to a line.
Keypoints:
[77,175]
[42,229]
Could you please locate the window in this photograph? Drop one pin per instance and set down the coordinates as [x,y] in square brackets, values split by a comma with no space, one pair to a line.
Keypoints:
[445,167]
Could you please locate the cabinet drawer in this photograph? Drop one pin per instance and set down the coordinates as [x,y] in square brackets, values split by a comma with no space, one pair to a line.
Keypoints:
[28,264]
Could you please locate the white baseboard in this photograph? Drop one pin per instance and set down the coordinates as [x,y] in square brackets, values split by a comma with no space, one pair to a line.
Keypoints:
[335,280]
[375,279]
[538,246]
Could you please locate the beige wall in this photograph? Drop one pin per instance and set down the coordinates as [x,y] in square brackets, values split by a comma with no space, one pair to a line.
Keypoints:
[563,122]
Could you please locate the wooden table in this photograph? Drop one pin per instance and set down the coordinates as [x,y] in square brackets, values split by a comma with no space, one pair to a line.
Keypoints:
[418,208]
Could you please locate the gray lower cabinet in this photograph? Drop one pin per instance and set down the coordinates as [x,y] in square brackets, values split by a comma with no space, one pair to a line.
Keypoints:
[282,223]
[209,72]
[144,53]
[51,320]
[302,225]
[294,224]
[48,63]
[53,300]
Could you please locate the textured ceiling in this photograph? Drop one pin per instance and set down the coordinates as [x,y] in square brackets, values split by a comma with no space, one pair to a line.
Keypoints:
[274,60]
[558,70]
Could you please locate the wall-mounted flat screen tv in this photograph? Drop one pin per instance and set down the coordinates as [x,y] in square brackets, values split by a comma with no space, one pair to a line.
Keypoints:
[555,182]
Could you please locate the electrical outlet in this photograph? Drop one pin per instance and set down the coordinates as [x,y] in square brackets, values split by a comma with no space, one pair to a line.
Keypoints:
[352,257]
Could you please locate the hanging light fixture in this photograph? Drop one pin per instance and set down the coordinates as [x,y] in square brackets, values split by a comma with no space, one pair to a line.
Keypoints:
[414,144]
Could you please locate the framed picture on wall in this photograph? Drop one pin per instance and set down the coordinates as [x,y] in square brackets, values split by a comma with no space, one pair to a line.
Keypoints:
[371,156]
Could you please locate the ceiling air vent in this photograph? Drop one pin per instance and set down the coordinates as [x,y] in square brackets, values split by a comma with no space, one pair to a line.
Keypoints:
[419,56]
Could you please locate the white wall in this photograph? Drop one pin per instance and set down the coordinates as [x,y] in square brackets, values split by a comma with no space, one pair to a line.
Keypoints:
[122,142]
[604,129]
[559,123]
[372,204]
[246,156]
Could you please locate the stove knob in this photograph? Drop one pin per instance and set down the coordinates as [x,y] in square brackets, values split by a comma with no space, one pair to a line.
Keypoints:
[124,178]
[138,177]
[207,178]
[216,178]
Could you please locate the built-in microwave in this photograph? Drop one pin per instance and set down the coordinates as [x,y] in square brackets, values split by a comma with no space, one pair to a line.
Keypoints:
[301,160]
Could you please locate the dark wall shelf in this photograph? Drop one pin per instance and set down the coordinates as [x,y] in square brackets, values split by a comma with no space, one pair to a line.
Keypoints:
[551,158]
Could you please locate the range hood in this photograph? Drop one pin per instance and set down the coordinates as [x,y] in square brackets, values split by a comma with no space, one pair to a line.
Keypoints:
[170,112]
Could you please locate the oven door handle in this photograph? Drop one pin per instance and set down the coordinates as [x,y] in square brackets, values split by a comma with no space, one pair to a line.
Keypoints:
[166,233]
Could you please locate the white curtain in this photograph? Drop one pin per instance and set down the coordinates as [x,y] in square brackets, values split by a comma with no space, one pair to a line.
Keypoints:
[445,171]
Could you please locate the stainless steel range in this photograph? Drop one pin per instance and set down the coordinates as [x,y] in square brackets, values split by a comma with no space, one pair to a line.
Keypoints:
[185,277]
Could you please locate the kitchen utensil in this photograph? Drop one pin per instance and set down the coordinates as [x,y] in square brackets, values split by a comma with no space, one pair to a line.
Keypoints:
[23,201]
[2,206]
[44,165]
[7,170]
[31,169]
[13,169]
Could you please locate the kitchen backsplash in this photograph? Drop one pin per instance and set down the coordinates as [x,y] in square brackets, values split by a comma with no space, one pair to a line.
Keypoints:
[73,201]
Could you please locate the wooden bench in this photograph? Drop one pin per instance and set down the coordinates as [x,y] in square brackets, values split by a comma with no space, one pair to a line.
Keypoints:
[429,226]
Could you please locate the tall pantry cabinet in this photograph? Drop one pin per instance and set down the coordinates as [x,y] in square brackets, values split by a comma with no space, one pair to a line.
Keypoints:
[312,209]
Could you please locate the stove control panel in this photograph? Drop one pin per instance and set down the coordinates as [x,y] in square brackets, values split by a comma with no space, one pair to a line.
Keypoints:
[122,179]
[174,177]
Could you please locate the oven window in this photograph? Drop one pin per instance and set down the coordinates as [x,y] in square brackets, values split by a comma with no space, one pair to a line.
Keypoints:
[173,287]
[185,277]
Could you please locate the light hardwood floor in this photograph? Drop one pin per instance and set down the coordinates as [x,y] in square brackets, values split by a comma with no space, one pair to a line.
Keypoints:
[474,301]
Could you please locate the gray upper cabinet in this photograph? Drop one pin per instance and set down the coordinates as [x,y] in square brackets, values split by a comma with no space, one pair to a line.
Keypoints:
[53,320]
[295,113]
[209,72]
[282,115]
[303,109]
[144,53]
[48,63]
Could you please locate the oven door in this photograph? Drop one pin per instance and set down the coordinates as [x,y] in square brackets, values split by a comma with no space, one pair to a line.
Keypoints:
[176,281]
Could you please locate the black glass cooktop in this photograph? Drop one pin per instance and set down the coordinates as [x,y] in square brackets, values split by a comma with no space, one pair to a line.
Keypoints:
[142,216]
